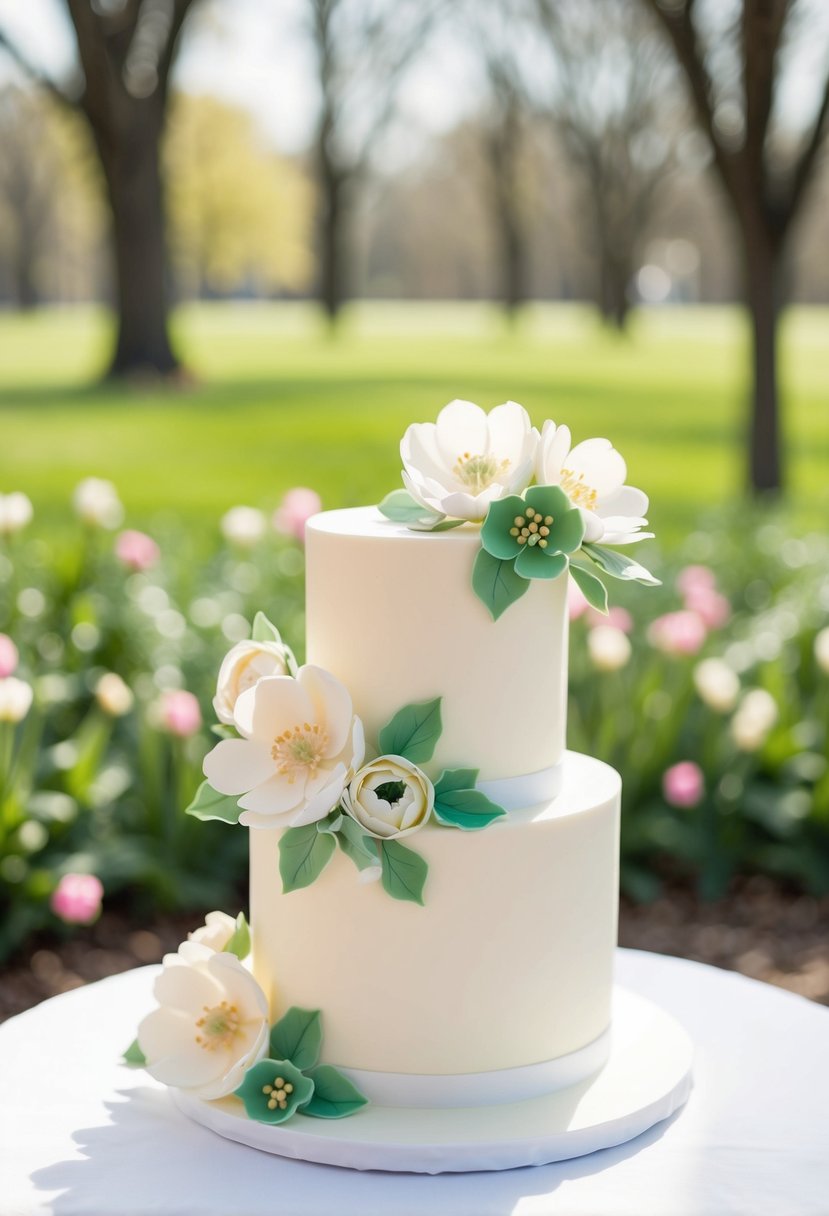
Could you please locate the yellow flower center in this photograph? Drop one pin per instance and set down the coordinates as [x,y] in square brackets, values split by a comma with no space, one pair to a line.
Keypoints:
[219,1025]
[278,1093]
[532,528]
[577,489]
[299,750]
[479,472]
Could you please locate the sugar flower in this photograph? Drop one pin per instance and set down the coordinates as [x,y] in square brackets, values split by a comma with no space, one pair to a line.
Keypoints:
[97,504]
[76,899]
[538,531]
[211,1025]
[216,932]
[15,512]
[468,459]
[243,666]
[301,743]
[15,699]
[592,475]
[390,797]
[293,513]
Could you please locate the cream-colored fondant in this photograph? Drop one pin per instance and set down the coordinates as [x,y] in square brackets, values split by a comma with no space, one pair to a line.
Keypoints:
[392,613]
[508,963]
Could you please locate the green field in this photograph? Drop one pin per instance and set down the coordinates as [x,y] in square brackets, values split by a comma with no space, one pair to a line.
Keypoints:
[275,403]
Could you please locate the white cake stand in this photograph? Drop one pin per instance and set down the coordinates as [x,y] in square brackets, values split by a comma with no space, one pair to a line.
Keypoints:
[645,1080]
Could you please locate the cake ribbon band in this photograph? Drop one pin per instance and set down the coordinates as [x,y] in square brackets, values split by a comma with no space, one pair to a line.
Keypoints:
[482,1088]
[531,789]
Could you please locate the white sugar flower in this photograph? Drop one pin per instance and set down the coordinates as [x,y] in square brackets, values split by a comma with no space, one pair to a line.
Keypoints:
[300,745]
[216,932]
[243,526]
[212,1024]
[390,798]
[467,459]
[243,666]
[97,504]
[15,512]
[718,685]
[15,699]
[592,475]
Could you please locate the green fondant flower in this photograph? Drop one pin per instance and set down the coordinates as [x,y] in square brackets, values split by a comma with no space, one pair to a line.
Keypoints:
[537,532]
[273,1090]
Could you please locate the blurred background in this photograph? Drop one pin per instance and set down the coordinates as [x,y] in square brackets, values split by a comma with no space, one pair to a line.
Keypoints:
[243,243]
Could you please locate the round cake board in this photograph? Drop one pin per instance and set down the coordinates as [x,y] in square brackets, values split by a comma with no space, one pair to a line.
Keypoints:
[645,1080]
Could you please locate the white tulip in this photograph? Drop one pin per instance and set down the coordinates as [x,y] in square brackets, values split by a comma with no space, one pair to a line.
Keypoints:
[113,695]
[15,699]
[212,1024]
[592,475]
[390,798]
[822,650]
[467,459]
[717,685]
[754,719]
[300,745]
[216,932]
[608,647]
[243,526]
[242,668]
[15,512]
[97,504]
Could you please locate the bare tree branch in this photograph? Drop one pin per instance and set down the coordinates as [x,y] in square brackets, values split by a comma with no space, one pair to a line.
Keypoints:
[35,75]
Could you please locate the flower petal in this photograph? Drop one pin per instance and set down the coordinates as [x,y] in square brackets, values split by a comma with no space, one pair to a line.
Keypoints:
[533,562]
[495,532]
[167,1038]
[460,427]
[331,702]
[274,797]
[318,806]
[509,425]
[552,452]
[185,988]
[419,450]
[275,704]
[236,765]
[627,500]
[602,466]
[566,532]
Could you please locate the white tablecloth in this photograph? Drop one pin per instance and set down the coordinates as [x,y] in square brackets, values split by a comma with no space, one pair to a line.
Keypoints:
[82,1136]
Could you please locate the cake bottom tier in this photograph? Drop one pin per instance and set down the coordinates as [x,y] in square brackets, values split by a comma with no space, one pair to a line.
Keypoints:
[507,966]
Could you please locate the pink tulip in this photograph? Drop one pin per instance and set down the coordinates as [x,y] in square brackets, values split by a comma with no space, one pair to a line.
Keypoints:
[180,713]
[577,605]
[618,617]
[683,784]
[678,633]
[710,605]
[295,510]
[8,656]
[77,899]
[136,550]
[695,578]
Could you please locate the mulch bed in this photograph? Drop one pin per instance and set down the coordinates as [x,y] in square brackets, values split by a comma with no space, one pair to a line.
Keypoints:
[760,930]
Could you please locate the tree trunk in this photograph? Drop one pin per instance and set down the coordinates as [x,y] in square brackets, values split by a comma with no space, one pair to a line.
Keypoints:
[25,287]
[136,197]
[614,277]
[763,270]
[332,246]
[513,265]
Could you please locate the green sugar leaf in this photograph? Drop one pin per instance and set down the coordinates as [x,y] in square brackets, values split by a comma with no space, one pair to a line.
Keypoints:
[404,871]
[264,630]
[239,943]
[297,1037]
[209,804]
[303,855]
[134,1056]
[467,809]
[456,779]
[618,566]
[413,732]
[334,1095]
[496,583]
[403,509]
[591,587]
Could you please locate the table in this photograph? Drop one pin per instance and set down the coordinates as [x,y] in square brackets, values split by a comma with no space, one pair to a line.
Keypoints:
[82,1136]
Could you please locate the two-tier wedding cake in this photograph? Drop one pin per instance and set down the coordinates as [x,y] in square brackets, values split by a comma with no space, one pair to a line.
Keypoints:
[434,878]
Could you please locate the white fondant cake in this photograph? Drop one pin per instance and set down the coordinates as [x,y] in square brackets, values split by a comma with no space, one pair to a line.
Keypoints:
[509,961]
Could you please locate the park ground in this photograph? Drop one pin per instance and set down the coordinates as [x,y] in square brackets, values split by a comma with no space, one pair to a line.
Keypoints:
[271,400]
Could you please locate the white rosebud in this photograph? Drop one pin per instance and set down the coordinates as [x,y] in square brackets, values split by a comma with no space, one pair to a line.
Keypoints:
[113,695]
[609,648]
[243,667]
[822,650]
[97,504]
[243,526]
[15,699]
[15,512]
[754,719]
[216,932]
[717,684]
[390,798]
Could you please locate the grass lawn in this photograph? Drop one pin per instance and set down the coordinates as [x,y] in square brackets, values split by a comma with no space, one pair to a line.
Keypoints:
[278,404]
